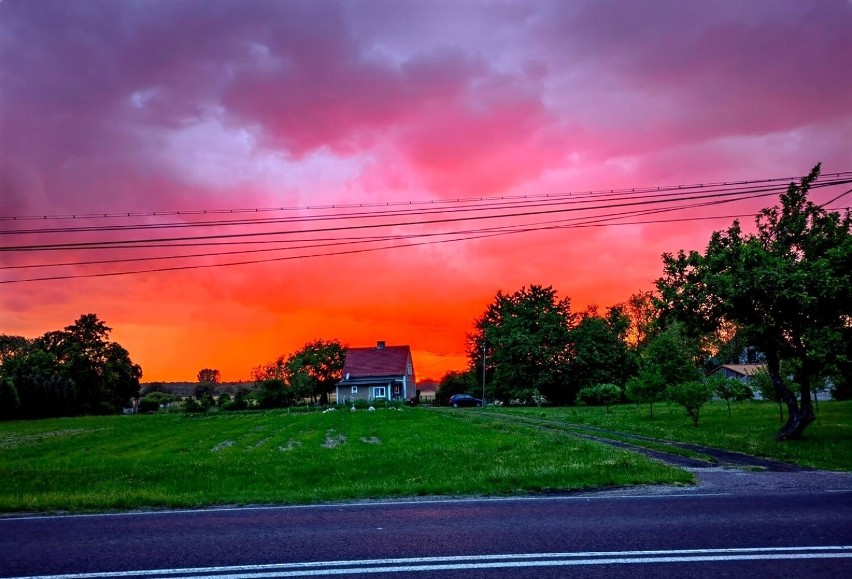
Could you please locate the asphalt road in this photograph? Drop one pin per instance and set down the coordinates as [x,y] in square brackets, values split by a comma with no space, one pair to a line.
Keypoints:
[777,534]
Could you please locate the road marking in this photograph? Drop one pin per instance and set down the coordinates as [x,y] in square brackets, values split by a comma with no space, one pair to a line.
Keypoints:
[463,562]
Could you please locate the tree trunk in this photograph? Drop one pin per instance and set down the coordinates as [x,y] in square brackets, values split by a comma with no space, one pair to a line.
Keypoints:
[797,418]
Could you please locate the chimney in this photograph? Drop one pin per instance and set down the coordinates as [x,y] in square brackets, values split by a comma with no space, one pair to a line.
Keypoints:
[380,345]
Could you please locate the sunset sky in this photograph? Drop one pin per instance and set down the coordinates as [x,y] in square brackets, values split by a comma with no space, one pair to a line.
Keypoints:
[385,124]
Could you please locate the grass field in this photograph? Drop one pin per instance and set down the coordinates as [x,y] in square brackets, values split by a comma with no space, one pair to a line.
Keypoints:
[123,462]
[827,442]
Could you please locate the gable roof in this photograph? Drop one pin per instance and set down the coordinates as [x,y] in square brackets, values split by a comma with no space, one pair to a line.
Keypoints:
[386,361]
[743,369]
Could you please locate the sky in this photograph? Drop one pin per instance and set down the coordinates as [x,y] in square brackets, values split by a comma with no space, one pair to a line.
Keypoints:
[338,111]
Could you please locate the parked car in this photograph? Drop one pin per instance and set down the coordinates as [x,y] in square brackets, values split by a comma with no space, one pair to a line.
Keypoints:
[457,400]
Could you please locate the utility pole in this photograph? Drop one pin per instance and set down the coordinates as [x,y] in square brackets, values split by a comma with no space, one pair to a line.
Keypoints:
[484,343]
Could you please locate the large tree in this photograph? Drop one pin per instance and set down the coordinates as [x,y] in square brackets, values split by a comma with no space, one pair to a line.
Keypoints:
[76,370]
[317,367]
[599,353]
[789,285]
[525,335]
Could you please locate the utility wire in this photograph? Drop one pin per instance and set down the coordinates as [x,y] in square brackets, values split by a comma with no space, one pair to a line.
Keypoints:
[70,216]
[120,243]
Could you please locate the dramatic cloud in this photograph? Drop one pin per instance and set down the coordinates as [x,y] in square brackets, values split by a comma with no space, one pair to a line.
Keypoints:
[111,106]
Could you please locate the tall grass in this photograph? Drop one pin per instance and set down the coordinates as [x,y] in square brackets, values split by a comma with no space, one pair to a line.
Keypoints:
[827,443]
[124,462]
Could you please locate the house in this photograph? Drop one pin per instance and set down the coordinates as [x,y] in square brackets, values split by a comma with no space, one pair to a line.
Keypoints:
[739,371]
[379,373]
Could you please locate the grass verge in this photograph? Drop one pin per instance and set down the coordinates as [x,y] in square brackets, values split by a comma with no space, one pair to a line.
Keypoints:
[125,462]
[827,443]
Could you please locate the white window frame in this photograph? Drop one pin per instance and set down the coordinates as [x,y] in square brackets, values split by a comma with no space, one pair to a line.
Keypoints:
[379,392]
[354,390]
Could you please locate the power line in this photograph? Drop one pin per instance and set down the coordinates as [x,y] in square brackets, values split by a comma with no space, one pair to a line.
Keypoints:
[351,252]
[661,188]
[362,226]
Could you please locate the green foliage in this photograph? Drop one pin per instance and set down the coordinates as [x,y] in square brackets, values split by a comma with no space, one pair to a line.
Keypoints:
[192,406]
[668,358]
[455,382]
[526,339]
[224,400]
[600,395]
[728,389]
[239,402]
[691,396]
[313,370]
[147,405]
[76,370]
[207,402]
[10,402]
[789,285]
[599,352]
[273,393]
[203,389]
[152,401]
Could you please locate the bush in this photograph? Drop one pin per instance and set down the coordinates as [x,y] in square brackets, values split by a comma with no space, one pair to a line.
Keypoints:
[238,403]
[191,405]
[691,396]
[728,389]
[224,400]
[146,405]
[600,395]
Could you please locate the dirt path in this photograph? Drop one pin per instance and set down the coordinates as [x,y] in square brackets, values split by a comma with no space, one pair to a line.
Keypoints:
[716,470]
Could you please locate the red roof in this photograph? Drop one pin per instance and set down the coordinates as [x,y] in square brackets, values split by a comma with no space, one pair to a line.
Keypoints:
[387,361]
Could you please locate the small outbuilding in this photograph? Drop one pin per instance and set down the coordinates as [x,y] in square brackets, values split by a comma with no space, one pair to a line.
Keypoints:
[378,373]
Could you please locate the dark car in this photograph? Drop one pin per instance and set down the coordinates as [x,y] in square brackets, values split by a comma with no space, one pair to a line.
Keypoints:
[457,400]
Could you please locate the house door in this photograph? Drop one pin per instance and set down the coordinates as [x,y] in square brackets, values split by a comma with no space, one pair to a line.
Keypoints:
[397,391]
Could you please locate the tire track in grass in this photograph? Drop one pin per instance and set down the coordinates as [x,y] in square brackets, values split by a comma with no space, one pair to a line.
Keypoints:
[669,451]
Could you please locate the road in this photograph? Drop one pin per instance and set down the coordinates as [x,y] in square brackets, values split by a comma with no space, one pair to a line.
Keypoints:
[775,534]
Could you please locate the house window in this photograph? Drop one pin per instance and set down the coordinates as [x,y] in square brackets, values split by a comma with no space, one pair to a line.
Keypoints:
[379,392]
[354,390]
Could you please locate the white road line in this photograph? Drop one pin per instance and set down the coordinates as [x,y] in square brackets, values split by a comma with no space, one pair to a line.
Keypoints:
[462,562]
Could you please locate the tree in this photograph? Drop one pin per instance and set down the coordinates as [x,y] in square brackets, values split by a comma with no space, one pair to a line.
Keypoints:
[668,358]
[203,389]
[789,285]
[208,375]
[691,396]
[77,370]
[526,345]
[642,312]
[599,353]
[316,368]
[455,382]
[728,389]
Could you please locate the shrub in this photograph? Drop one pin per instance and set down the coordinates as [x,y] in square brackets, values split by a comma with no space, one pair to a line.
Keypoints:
[600,395]
[224,399]
[191,405]
[146,405]
[238,403]
[360,404]
[691,396]
[203,389]
[728,389]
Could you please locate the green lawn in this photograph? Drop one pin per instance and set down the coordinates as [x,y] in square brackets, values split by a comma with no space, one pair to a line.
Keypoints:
[169,460]
[827,442]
